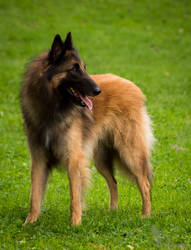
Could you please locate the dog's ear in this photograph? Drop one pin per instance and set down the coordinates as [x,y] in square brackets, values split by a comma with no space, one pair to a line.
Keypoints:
[68,44]
[56,49]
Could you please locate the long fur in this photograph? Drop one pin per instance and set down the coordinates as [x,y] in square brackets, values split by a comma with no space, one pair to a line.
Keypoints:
[61,132]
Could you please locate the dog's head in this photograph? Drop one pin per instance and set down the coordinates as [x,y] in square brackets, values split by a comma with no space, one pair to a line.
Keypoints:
[67,73]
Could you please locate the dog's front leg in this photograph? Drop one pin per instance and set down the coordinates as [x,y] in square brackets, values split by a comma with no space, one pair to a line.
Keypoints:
[39,174]
[75,192]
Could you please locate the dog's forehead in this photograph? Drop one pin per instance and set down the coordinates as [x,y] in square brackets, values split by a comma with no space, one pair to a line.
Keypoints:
[72,57]
[72,54]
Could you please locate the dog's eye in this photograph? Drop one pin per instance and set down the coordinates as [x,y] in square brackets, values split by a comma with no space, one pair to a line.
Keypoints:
[75,67]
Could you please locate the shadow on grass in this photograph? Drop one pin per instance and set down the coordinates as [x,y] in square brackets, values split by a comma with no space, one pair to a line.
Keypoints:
[97,223]
[97,220]
[56,216]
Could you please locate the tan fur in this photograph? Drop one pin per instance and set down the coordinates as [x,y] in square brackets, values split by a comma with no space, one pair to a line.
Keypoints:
[120,110]
[56,79]
[117,128]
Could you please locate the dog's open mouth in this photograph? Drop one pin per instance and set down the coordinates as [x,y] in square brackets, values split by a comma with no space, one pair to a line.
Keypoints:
[80,99]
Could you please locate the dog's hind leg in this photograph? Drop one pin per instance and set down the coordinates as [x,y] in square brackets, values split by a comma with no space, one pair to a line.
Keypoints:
[103,159]
[135,162]
[39,176]
[137,167]
[133,141]
[144,187]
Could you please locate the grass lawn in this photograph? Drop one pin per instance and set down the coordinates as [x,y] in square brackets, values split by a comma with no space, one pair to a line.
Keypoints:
[148,42]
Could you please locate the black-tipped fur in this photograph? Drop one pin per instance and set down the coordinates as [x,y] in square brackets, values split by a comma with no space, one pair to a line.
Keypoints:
[66,119]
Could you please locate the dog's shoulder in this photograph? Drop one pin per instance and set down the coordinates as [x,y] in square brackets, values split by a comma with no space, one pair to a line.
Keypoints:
[117,87]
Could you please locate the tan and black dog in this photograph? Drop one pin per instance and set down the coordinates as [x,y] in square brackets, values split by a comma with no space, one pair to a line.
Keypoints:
[70,116]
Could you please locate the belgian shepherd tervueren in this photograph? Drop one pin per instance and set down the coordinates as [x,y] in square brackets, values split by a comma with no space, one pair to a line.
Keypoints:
[70,116]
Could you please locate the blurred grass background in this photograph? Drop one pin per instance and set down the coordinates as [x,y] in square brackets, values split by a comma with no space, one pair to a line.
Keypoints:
[148,42]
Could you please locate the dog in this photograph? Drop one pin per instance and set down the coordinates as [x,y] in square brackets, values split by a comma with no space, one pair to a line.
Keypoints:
[70,116]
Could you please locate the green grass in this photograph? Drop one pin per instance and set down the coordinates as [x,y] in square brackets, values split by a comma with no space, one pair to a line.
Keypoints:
[148,42]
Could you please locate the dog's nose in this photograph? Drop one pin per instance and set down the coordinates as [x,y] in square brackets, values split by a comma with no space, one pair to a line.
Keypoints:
[97,91]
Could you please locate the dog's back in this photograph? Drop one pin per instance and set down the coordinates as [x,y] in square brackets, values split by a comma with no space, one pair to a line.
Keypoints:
[121,107]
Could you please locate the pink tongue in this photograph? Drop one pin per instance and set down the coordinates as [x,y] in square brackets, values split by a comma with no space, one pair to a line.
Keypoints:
[87,101]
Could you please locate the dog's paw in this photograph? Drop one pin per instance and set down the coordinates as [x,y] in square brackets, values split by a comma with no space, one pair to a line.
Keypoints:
[76,221]
[148,215]
[31,218]
[113,207]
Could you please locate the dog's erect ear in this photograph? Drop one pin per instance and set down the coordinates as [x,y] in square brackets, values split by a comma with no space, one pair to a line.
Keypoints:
[68,44]
[56,49]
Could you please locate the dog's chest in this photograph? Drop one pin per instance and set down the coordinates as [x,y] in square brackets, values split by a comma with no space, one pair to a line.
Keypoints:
[55,140]
[48,139]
